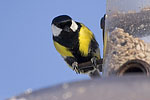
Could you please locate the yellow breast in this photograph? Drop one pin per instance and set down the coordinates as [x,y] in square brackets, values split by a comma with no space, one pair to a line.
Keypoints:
[62,50]
[85,36]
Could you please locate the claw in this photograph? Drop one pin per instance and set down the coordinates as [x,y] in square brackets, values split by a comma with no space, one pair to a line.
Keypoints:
[94,61]
[75,67]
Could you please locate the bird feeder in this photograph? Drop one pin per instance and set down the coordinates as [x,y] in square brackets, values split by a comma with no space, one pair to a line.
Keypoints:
[128,37]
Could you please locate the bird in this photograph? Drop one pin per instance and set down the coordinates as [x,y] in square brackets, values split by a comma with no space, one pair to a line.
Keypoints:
[102,25]
[75,43]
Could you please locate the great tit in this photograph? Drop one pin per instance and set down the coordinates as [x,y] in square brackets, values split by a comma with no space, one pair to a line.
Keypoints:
[75,43]
[102,25]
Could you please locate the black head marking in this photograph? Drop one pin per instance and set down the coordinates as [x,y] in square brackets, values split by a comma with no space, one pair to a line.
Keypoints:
[62,21]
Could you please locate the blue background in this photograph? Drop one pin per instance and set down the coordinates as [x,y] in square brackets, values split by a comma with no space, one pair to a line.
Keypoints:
[28,58]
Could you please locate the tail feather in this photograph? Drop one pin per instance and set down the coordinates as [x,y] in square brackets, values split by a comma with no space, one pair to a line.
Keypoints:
[95,74]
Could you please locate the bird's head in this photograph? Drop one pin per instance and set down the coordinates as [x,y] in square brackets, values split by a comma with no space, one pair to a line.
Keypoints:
[63,23]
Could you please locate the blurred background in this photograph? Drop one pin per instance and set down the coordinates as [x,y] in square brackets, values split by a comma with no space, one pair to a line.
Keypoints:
[28,59]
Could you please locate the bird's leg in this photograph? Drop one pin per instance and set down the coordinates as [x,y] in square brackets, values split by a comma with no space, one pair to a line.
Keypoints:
[76,67]
[94,61]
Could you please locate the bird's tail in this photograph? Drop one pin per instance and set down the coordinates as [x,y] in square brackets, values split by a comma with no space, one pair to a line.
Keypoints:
[95,74]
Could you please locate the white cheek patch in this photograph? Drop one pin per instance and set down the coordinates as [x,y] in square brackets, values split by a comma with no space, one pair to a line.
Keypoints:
[74,26]
[56,31]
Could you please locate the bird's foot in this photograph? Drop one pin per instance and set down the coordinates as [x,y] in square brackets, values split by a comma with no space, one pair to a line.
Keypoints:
[76,67]
[94,61]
